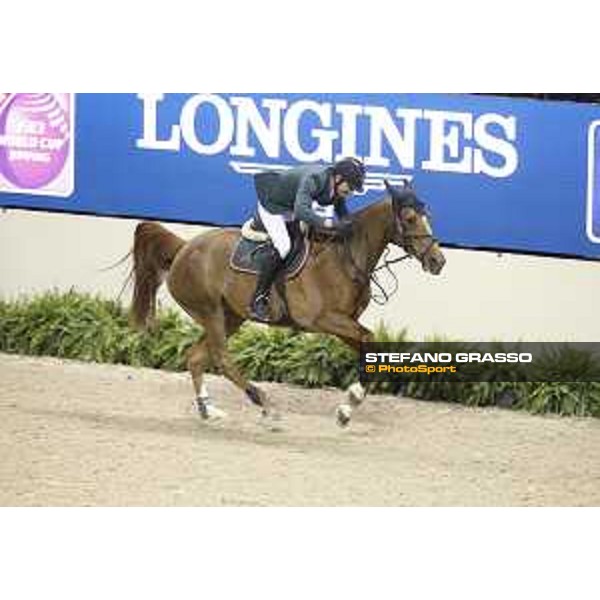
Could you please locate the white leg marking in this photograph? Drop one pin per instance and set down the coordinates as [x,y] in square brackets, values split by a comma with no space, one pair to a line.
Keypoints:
[206,408]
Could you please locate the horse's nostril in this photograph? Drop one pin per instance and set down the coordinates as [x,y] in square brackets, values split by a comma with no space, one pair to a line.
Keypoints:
[436,264]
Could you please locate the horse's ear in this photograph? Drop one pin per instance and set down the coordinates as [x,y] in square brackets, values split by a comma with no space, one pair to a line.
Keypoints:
[406,186]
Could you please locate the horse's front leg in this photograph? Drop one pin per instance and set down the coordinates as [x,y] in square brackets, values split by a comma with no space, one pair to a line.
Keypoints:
[354,334]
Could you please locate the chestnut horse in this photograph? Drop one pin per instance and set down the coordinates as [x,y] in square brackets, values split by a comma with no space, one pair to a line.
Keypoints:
[328,296]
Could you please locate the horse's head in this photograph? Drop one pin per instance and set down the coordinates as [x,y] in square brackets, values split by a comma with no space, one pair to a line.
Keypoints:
[412,230]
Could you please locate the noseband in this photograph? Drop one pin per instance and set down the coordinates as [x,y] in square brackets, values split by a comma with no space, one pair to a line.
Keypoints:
[406,243]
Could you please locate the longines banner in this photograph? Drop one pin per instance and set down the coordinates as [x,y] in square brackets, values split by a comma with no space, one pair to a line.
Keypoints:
[497,173]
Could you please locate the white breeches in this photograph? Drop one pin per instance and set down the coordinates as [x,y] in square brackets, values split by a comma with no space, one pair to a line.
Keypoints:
[277,230]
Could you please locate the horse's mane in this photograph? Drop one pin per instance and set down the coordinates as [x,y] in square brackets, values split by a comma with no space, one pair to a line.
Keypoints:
[365,211]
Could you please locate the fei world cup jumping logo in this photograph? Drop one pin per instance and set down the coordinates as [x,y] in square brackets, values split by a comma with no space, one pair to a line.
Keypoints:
[36,144]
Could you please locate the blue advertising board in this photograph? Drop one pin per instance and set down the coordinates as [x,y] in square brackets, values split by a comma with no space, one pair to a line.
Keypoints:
[498,173]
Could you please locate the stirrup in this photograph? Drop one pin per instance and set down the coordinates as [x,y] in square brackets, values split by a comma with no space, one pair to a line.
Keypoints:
[256,313]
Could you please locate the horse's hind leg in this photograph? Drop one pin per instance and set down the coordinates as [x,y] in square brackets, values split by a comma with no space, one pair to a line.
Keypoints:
[198,361]
[218,327]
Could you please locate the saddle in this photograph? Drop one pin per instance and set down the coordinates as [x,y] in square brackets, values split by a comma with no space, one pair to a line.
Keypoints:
[254,242]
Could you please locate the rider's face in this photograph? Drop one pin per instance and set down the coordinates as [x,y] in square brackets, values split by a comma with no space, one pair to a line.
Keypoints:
[342,189]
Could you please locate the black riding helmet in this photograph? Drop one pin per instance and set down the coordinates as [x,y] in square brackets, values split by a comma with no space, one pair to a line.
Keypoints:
[351,170]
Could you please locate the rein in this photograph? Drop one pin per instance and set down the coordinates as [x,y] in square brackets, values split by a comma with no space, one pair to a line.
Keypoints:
[385,296]
[365,278]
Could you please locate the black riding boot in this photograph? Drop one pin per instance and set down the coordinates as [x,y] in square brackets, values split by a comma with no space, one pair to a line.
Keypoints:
[272,263]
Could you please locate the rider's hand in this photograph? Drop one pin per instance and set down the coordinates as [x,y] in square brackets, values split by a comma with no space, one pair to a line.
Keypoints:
[342,228]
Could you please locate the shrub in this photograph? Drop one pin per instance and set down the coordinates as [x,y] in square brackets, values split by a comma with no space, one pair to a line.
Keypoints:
[80,326]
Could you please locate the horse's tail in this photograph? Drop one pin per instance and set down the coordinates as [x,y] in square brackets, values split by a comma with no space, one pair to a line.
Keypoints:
[154,249]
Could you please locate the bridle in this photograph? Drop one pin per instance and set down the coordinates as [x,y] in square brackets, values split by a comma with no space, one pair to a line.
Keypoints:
[406,241]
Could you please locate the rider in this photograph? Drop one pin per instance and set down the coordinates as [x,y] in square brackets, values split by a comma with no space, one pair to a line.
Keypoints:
[292,195]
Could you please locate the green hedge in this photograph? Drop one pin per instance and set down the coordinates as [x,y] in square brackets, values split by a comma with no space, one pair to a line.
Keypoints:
[79,326]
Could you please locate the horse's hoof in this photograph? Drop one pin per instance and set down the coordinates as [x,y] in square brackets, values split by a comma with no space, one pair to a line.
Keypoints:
[208,411]
[356,394]
[343,415]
